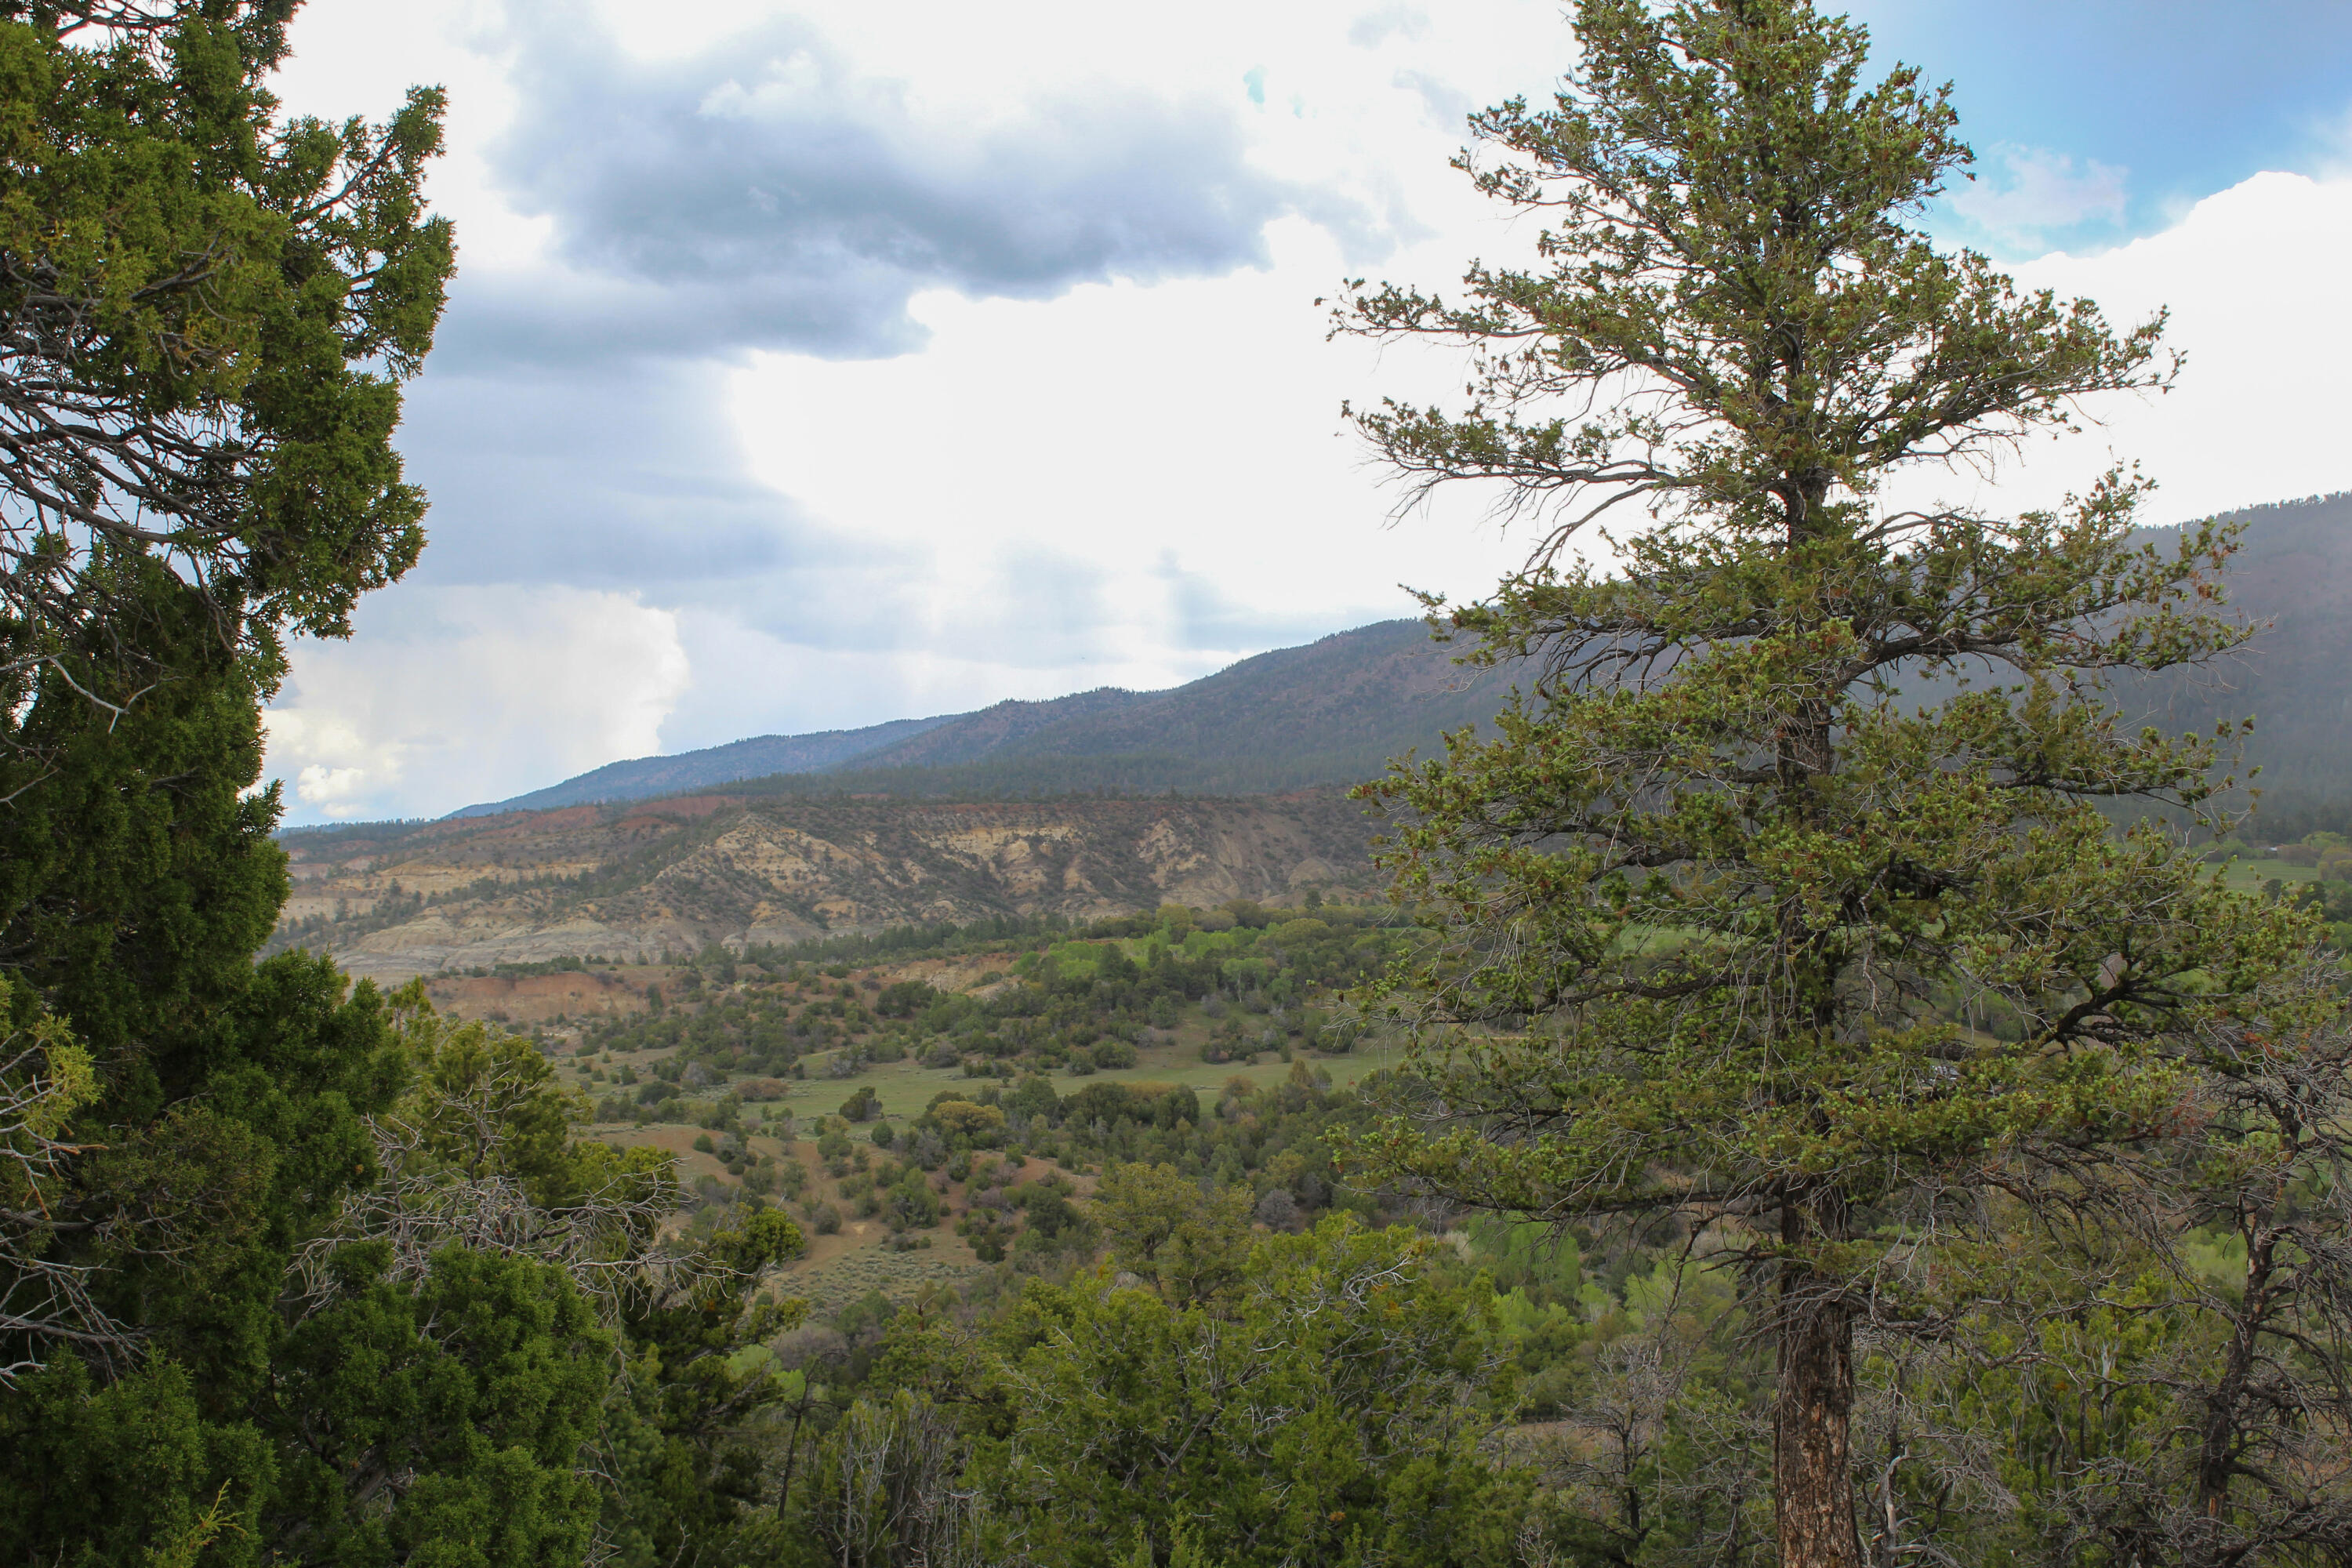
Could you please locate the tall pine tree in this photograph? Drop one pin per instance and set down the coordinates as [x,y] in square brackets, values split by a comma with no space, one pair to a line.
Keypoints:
[1731,928]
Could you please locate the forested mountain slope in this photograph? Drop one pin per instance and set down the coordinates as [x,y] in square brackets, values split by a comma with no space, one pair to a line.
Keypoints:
[758,757]
[2294,679]
[1336,711]
[1331,711]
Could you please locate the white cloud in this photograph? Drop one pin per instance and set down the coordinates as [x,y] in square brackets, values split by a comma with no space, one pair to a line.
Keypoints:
[2044,193]
[2333,136]
[451,695]
[1144,445]
[2253,278]
[327,789]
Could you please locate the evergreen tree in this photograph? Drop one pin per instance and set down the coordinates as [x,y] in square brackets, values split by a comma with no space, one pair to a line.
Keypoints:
[206,313]
[1727,922]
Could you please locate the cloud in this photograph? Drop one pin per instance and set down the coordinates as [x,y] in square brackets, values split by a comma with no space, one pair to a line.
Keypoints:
[1373,28]
[597,481]
[769,193]
[1448,105]
[2043,194]
[498,690]
[2253,277]
[877,361]
[2332,135]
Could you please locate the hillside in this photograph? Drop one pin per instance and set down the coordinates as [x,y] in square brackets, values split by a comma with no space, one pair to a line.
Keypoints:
[759,757]
[1334,711]
[855,836]
[2295,678]
[1330,713]
[392,901]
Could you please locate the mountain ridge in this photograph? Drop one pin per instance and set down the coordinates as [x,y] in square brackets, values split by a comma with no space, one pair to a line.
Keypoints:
[1329,712]
[1335,711]
[884,837]
[757,756]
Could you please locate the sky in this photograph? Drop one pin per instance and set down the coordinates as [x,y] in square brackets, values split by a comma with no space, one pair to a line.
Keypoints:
[810,365]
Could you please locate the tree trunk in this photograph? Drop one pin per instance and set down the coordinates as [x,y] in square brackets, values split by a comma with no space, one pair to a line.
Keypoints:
[1812,1467]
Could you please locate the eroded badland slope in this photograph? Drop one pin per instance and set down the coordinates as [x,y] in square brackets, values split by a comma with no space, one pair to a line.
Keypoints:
[678,875]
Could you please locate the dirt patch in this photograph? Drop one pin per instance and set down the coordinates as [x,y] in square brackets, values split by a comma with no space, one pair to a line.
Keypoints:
[692,1162]
[686,807]
[974,973]
[534,998]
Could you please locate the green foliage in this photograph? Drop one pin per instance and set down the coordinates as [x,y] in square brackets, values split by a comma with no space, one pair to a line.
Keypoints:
[403,1421]
[136,876]
[45,1075]
[298,1272]
[904,999]
[1081,1006]
[127,1471]
[682,1447]
[469,1396]
[1327,1408]
[210,309]
[1717,901]
[1188,1243]
[486,1104]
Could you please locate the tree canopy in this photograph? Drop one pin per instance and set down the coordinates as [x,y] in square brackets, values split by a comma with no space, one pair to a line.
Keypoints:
[206,311]
[1781,903]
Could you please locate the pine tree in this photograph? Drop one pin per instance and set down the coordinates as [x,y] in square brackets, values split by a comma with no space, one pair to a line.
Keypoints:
[1730,929]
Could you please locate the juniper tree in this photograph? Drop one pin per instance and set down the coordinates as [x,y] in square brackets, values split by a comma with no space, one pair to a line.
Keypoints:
[1729,928]
[207,311]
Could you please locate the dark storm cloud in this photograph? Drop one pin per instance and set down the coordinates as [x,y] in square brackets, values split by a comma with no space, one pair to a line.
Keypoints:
[766,195]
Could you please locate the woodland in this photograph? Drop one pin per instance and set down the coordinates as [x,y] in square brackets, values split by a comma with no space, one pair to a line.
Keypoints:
[1776,1117]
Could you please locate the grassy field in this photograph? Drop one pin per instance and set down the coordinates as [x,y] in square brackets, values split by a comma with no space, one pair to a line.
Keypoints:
[2249,876]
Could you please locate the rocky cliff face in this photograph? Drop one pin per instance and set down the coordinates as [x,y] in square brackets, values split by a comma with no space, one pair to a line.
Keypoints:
[630,880]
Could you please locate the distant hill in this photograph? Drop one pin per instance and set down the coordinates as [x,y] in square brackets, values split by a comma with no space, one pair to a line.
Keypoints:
[758,757]
[920,820]
[1332,712]
[2294,679]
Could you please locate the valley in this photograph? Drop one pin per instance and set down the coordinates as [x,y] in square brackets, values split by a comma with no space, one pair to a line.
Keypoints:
[821,1086]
